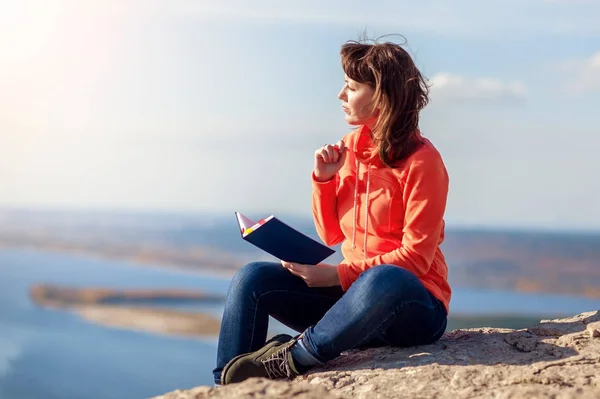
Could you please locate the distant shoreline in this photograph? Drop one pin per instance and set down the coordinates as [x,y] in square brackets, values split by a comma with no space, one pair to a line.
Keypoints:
[216,269]
[53,295]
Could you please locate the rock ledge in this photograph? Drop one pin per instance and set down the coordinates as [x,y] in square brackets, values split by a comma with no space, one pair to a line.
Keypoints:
[554,359]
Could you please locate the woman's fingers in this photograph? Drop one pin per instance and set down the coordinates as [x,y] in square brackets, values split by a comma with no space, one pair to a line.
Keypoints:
[298,274]
[290,265]
[322,152]
[331,153]
[295,268]
[295,272]
[285,264]
[326,155]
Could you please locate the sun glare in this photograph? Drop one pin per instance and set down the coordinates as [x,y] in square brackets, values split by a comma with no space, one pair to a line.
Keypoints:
[26,29]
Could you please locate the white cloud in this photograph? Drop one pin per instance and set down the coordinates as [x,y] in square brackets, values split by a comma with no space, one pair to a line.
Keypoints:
[448,87]
[583,76]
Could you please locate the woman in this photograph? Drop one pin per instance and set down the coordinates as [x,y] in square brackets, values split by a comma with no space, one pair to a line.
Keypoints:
[382,191]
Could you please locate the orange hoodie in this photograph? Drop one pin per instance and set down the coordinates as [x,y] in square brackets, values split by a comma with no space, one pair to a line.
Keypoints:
[401,209]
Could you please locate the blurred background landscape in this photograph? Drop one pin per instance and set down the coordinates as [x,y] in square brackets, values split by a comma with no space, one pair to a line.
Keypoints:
[130,133]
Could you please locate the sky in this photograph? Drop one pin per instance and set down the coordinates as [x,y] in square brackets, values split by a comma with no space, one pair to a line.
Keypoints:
[194,106]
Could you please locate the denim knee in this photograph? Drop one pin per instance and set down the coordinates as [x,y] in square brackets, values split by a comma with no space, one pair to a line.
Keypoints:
[385,272]
[249,277]
[390,279]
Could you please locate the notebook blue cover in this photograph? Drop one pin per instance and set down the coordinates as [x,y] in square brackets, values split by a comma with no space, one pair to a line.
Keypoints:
[282,241]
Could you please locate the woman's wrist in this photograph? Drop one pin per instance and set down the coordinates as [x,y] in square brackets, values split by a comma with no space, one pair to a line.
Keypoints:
[322,179]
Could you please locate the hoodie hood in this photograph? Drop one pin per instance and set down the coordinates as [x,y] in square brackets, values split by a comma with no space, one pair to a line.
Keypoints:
[365,149]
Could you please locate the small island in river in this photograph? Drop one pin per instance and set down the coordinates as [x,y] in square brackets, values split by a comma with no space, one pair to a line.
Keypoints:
[135,309]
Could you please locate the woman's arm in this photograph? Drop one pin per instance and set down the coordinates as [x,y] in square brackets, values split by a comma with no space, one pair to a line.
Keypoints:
[324,207]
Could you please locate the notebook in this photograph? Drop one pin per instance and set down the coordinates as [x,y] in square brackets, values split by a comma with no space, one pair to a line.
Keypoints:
[282,241]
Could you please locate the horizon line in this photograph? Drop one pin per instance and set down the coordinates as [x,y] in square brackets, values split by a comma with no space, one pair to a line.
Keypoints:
[450,226]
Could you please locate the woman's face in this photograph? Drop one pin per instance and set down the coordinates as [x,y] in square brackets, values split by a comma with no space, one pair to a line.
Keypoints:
[357,101]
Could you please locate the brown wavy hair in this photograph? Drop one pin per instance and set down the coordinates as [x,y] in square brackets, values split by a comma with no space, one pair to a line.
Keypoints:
[400,94]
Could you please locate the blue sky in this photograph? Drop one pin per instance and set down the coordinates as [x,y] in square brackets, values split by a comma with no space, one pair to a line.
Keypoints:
[191,106]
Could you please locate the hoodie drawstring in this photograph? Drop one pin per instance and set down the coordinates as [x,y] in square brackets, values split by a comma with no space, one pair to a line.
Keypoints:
[355,221]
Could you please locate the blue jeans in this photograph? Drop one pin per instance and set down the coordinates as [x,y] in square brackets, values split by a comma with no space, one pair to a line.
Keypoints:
[386,305]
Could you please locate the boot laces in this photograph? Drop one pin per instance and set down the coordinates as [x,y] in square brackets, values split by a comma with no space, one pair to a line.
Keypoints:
[277,364]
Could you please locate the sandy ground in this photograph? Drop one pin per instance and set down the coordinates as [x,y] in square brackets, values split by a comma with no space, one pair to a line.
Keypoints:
[157,321]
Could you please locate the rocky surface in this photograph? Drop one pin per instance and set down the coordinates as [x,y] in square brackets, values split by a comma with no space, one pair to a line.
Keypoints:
[553,359]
